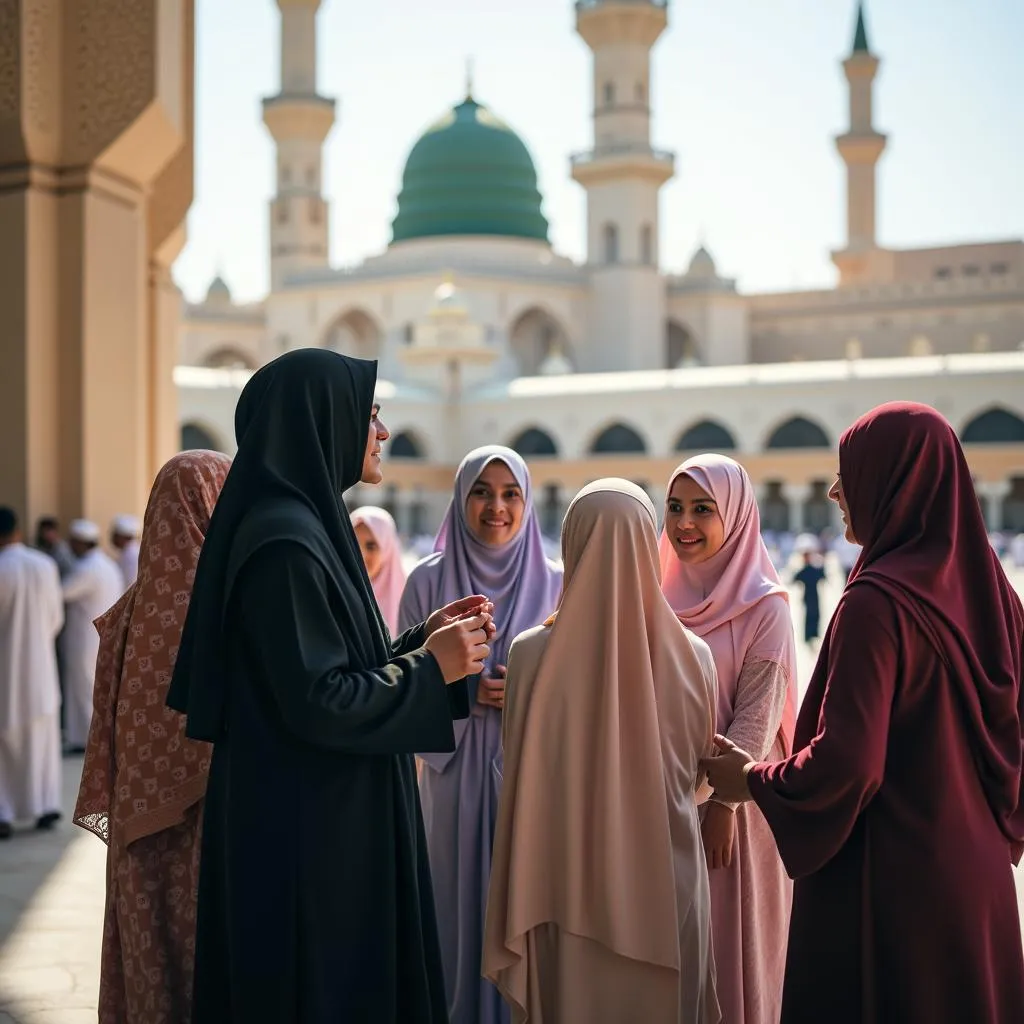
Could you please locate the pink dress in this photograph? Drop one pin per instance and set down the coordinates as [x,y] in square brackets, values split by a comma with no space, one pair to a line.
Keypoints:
[736,603]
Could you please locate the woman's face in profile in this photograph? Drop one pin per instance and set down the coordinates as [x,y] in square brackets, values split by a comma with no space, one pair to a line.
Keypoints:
[495,506]
[837,495]
[693,523]
[377,434]
[372,556]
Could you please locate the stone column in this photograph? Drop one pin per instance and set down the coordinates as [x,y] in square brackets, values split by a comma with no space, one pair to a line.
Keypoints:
[95,123]
[797,496]
[993,494]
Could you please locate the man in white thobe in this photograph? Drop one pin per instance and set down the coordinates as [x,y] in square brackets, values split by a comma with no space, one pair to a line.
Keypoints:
[94,585]
[31,614]
[124,538]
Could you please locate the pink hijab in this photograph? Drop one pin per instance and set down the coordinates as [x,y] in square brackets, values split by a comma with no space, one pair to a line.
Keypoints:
[718,599]
[389,582]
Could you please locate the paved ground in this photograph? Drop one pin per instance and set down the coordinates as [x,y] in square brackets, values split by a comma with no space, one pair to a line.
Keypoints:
[51,910]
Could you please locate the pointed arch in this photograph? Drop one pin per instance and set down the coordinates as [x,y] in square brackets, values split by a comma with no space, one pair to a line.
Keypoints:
[354,332]
[994,426]
[706,436]
[619,439]
[229,357]
[406,445]
[798,432]
[197,435]
[534,335]
[681,347]
[533,443]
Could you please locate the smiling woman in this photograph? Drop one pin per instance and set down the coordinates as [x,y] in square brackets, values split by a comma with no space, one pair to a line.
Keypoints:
[491,540]
[494,508]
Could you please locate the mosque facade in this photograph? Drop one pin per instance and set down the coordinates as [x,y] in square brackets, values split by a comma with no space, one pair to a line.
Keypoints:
[614,366]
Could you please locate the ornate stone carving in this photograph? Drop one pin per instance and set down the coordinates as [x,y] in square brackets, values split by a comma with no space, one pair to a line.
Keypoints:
[113,57]
[10,65]
[41,76]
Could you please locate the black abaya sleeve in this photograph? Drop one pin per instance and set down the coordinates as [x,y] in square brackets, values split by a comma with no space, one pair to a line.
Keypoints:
[291,633]
[458,693]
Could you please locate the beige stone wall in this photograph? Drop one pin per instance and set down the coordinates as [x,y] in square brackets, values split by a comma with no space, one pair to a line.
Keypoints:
[95,180]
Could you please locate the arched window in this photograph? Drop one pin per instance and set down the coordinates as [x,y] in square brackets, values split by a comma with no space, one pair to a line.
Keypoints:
[354,334]
[641,92]
[706,436]
[534,336]
[680,346]
[646,245]
[405,446]
[533,442]
[798,432]
[618,439]
[228,358]
[609,94]
[194,436]
[611,243]
[282,211]
[996,426]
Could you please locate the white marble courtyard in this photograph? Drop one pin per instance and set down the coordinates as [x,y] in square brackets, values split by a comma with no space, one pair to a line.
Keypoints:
[51,906]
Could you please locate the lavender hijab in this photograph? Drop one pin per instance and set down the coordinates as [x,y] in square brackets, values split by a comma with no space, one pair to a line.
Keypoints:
[517,576]
[459,791]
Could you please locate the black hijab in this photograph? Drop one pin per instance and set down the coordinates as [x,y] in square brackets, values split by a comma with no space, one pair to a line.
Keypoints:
[301,424]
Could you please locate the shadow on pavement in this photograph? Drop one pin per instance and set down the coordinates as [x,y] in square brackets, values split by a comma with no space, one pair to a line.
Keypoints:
[51,912]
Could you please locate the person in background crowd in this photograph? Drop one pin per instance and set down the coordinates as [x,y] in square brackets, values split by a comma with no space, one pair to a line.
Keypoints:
[810,576]
[599,908]
[315,903]
[717,575]
[143,782]
[124,534]
[382,556]
[489,543]
[31,614]
[50,542]
[901,809]
[94,585]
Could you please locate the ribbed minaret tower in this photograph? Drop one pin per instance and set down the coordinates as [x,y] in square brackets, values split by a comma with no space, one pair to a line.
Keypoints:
[299,119]
[623,176]
[860,148]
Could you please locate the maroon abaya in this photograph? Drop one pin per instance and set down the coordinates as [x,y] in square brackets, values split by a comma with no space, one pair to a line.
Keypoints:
[900,812]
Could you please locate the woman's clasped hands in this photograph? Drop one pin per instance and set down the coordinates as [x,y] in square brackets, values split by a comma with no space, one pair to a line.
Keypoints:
[458,636]
[727,771]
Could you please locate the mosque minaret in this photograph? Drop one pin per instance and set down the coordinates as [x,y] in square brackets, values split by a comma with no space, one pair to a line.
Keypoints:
[623,175]
[299,119]
[860,147]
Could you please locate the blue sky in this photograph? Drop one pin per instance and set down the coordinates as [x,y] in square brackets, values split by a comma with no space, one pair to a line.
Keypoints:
[748,93]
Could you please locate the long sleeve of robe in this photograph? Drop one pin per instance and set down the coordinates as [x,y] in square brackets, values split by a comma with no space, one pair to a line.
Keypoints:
[315,897]
[904,907]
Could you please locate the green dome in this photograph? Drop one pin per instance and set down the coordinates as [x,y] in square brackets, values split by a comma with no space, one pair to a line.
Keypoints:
[469,174]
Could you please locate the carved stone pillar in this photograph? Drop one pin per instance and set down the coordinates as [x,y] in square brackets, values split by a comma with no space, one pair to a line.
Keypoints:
[95,180]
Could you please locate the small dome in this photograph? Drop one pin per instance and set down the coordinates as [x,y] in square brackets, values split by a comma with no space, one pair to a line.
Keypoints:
[469,174]
[702,265]
[218,290]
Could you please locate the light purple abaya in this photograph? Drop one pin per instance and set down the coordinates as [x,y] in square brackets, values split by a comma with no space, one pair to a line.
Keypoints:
[459,791]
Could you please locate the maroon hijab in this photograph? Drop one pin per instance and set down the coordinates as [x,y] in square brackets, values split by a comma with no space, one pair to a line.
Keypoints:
[913,507]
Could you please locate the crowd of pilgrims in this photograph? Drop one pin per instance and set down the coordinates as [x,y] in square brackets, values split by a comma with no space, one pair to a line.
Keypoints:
[512,789]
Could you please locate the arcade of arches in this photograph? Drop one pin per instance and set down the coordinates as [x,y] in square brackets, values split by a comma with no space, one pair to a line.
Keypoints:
[792,473]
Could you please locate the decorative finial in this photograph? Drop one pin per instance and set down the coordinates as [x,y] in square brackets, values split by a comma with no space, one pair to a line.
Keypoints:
[469,78]
[860,34]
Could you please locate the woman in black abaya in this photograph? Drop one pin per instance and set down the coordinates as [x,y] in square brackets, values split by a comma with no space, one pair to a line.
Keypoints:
[315,905]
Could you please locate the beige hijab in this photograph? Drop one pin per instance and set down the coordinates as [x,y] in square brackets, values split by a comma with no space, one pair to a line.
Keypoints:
[597,830]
